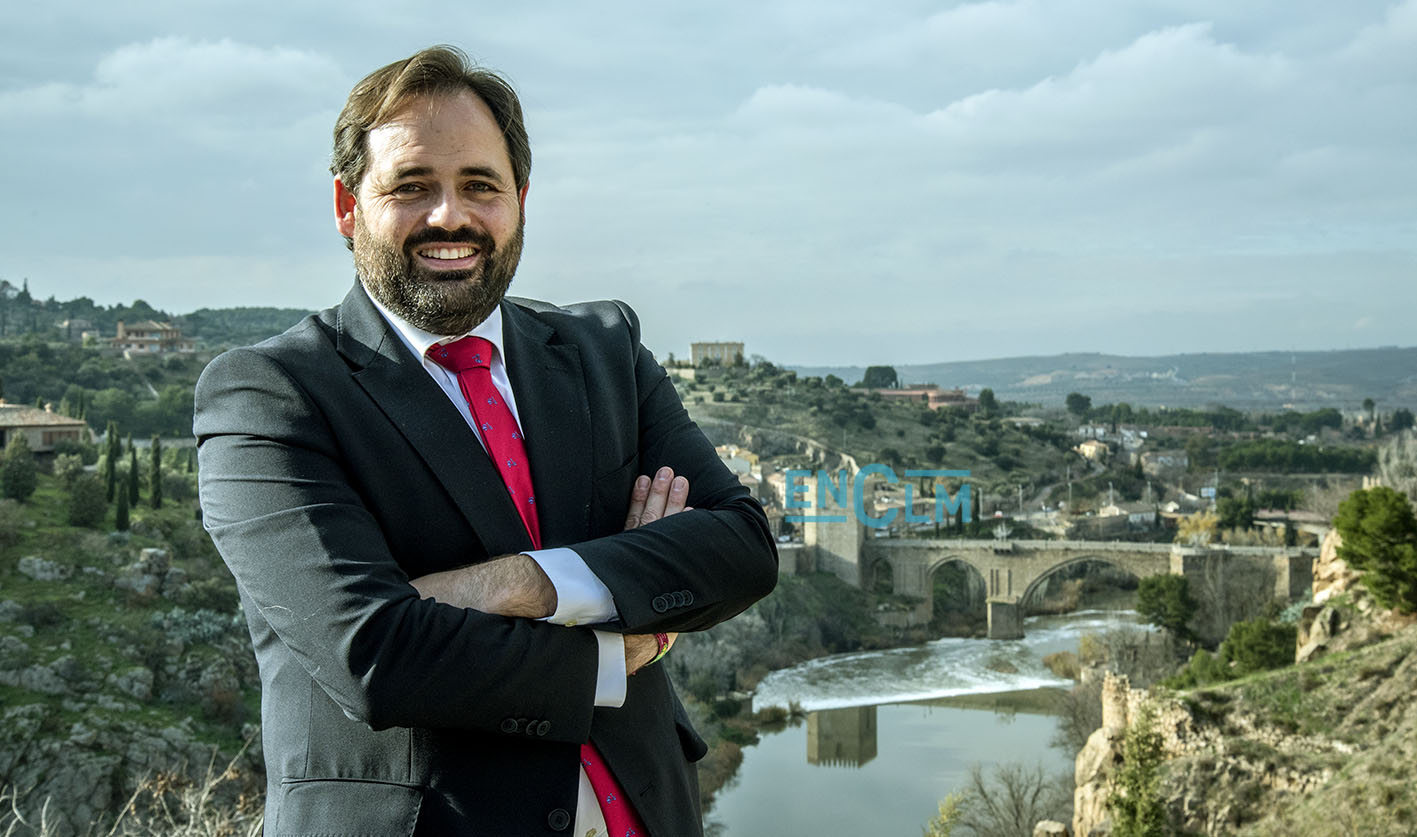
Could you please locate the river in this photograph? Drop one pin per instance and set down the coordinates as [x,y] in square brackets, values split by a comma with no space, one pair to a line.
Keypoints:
[885,738]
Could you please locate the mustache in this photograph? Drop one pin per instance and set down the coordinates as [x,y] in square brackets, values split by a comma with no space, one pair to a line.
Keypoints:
[465,235]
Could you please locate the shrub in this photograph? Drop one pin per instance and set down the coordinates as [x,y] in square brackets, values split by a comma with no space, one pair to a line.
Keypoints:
[87,505]
[1259,645]
[67,468]
[18,477]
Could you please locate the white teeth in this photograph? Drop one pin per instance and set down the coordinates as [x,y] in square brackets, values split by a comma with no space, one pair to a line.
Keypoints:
[448,252]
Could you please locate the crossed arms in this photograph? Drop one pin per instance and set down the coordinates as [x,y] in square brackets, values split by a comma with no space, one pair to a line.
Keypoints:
[515,585]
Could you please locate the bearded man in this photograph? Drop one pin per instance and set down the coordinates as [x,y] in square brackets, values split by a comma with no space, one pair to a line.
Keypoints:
[465,527]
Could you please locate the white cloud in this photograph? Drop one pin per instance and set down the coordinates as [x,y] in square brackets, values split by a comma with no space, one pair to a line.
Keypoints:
[1026,176]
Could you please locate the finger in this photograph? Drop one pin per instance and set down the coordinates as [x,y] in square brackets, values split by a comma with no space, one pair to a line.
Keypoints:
[678,496]
[658,497]
[638,494]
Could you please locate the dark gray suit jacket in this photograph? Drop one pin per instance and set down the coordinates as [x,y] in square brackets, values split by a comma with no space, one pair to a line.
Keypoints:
[333,469]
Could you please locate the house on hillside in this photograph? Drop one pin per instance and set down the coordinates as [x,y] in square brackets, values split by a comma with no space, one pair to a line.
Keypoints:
[1093,449]
[929,395]
[150,337]
[42,428]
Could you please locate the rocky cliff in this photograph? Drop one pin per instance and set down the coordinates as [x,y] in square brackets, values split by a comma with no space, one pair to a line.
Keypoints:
[1325,747]
[122,662]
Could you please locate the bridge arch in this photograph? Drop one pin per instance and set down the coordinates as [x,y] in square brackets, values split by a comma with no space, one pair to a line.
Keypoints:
[1035,587]
[880,577]
[957,595]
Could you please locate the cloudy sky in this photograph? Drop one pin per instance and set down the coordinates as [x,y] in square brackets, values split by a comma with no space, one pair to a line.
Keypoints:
[884,182]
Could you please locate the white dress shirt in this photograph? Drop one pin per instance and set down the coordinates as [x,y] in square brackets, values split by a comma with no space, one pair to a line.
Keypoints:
[580,596]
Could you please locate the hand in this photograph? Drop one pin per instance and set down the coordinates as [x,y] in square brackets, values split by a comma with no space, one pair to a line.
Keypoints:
[651,500]
[509,585]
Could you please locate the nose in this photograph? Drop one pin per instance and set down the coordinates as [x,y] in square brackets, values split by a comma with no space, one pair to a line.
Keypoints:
[450,212]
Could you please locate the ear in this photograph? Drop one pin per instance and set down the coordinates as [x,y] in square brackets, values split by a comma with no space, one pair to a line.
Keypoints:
[344,209]
[521,197]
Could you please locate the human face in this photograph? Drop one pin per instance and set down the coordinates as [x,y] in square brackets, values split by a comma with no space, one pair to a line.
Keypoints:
[437,220]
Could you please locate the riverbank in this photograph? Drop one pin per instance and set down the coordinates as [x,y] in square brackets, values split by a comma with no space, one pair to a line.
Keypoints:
[820,623]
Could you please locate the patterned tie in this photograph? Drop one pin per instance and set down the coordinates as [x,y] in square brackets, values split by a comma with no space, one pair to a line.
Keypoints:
[471,358]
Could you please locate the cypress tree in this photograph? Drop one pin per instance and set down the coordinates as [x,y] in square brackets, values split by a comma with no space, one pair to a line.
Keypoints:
[120,516]
[155,475]
[110,461]
[133,478]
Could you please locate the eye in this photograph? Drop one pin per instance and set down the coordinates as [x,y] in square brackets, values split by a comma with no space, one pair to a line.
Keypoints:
[481,186]
[408,188]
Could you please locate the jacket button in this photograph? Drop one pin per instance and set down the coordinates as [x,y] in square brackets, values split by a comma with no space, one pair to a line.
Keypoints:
[678,598]
[660,604]
[543,728]
[530,727]
[688,598]
[558,819]
[509,725]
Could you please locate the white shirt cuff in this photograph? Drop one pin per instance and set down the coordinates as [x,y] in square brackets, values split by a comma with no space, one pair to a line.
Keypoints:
[581,598]
[610,677]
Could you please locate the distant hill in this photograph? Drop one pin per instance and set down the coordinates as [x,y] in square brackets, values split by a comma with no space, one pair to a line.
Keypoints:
[1248,381]
[217,327]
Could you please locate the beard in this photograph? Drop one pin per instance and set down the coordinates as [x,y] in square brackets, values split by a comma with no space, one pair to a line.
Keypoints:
[440,302]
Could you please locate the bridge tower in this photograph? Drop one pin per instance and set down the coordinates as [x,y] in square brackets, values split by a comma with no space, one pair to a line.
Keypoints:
[832,532]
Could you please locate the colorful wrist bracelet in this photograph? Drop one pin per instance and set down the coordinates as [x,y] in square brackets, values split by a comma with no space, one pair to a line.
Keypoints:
[662,640]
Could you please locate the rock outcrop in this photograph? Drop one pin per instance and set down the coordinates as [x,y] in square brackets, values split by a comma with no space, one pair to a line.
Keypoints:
[1315,749]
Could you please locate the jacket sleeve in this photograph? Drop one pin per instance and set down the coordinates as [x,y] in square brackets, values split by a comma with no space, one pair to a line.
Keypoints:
[315,567]
[689,571]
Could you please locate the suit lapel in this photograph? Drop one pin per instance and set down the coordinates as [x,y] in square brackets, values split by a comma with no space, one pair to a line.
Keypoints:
[550,389]
[396,381]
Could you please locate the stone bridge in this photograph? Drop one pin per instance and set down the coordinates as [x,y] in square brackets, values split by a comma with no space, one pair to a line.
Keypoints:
[1013,569]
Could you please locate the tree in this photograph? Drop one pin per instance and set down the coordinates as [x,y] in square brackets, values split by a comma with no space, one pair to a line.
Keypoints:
[1165,601]
[110,461]
[1135,803]
[880,377]
[1401,419]
[1197,529]
[133,476]
[1380,540]
[120,513]
[155,475]
[1078,404]
[944,824]
[87,505]
[1235,512]
[18,477]
[1007,802]
[987,402]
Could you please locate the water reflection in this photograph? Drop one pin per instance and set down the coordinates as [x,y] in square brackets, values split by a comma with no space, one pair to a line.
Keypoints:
[841,737]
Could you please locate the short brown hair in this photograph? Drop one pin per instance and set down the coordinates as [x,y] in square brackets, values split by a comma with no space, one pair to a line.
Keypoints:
[438,69]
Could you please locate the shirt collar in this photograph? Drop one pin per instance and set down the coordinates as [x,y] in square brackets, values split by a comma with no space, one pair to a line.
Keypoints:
[419,341]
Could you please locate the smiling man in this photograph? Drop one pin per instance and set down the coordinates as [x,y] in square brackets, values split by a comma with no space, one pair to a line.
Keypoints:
[438,505]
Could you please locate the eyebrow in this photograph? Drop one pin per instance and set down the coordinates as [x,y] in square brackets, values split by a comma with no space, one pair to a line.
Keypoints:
[465,171]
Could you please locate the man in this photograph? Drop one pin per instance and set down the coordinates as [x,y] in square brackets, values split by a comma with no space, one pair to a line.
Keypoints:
[379,480]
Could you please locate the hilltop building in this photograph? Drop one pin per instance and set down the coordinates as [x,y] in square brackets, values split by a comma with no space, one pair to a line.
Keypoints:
[724,354]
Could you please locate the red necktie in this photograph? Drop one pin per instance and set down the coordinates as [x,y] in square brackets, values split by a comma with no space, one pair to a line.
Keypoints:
[471,358]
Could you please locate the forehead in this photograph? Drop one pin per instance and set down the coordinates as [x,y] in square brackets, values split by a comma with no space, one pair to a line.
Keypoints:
[440,131]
